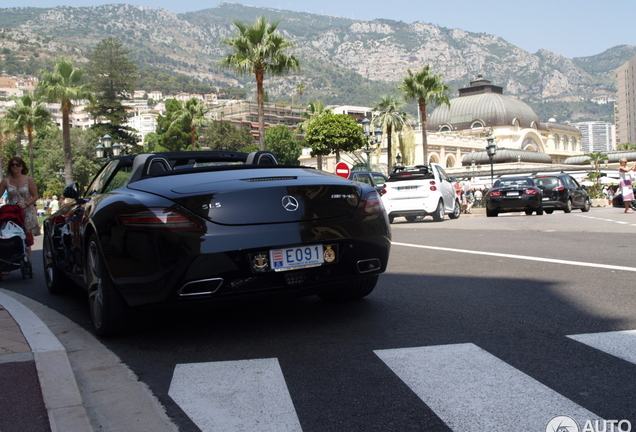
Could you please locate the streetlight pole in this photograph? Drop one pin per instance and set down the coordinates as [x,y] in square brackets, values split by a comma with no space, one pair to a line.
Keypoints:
[104,149]
[491,149]
[374,139]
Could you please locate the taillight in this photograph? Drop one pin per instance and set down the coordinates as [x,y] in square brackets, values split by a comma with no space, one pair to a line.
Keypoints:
[157,219]
[531,191]
[559,188]
[433,187]
[372,204]
[495,193]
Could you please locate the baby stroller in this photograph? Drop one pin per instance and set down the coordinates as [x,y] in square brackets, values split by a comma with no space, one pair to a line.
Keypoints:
[13,249]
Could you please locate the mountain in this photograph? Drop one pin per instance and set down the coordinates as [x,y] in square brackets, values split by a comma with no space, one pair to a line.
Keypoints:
[343,61]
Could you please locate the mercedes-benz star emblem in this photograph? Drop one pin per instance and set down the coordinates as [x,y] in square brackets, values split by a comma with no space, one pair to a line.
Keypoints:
[289,203]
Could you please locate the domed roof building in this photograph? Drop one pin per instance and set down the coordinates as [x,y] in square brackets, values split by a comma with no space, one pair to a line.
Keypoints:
[482,110]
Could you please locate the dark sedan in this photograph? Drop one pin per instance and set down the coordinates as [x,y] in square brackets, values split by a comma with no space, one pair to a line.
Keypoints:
[617,201]
[562,192]
[514,194]
[182,227]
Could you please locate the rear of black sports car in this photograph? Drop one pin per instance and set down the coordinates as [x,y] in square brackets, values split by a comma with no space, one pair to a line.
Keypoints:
[198,236]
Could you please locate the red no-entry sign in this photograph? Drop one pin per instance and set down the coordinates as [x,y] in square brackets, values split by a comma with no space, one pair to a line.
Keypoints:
[342,169]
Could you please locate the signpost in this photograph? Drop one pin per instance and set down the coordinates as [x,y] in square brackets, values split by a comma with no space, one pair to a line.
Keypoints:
[342,170]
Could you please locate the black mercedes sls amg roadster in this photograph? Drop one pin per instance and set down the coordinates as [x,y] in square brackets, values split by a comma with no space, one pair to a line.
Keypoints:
[179,227]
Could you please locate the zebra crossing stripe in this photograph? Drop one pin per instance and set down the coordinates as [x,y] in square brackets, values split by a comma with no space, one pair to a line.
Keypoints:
[245,395]
[621,344]
[474,391]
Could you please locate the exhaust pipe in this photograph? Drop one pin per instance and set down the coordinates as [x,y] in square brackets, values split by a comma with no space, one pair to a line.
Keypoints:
[200,287]
[369,265]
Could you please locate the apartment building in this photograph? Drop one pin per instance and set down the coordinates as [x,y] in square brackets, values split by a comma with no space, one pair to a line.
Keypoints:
[597,136]
[625,107]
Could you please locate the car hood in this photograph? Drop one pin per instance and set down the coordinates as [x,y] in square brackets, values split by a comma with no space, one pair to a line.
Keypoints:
[258,196]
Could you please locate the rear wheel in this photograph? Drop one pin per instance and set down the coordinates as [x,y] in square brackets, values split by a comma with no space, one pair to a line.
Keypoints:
[110,313]
[586,206]
[55,280]
[350,290]
[438,216]
[457,211]
[568,206]
[549,211]
[528,212]
[540,212]
[491,213]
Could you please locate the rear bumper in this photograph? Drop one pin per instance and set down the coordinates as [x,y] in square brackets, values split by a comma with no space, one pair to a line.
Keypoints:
[514,204]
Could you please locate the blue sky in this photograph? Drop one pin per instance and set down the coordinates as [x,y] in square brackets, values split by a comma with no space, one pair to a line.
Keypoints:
[572,28]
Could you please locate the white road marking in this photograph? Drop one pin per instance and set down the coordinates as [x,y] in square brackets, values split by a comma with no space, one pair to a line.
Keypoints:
[621,344]
[244,395]
[521,257]
[473,391]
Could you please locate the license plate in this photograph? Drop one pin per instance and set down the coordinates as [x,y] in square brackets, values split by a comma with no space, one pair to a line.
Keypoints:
[401,188]
[513,193]
[296,257]
[545,198]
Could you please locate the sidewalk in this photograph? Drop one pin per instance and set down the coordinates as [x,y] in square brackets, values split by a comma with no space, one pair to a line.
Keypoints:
[57,377]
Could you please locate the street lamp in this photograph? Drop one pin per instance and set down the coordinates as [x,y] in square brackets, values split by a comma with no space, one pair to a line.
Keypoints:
[374,139]
[398,159]
[491,149]
[104,148]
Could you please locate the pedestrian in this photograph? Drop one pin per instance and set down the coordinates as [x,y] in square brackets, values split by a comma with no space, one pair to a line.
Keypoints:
[54,205]
[627,190]
[21,191]
[611,192]
[478,197]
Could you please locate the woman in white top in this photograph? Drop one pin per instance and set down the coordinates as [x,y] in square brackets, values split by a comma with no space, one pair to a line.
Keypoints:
[626,183]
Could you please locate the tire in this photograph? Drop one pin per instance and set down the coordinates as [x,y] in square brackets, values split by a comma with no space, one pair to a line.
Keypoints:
[540,212]
[410,218]
[586,206]
[438,216]
[549,211]
[56,281]
[391,219]
[457,211]
[491,213]
[350,291]
[109,312]
[528,212]
[568,206]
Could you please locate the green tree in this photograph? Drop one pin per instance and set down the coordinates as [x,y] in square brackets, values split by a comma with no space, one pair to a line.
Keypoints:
[424,87]
[64,85]
[596,158]
[334,133]
[190,115]
[172,136]
[25,116]
[259,49]
[626,146]
[223,135]
[390,118]
[281,141]
[111,74]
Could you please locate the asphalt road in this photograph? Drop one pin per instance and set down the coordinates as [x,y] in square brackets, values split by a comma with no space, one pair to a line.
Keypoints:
[478,324]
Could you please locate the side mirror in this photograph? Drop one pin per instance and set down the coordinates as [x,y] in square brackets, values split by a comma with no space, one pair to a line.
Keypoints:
[71,191]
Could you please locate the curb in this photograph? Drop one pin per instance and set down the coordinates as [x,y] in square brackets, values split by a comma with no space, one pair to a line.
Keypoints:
[60,391]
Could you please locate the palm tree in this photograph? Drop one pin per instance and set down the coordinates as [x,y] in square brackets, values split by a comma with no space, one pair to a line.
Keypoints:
[300,89]
[64,85]
[596,158]
[390,118]
[425,88]
[191,115]
[259,49]
[26,116]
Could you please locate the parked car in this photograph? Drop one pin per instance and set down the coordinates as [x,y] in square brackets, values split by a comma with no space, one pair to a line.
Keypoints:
[420,190]
[375,179]
[617,201]
[175,228]
[562,192]
[514,194]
